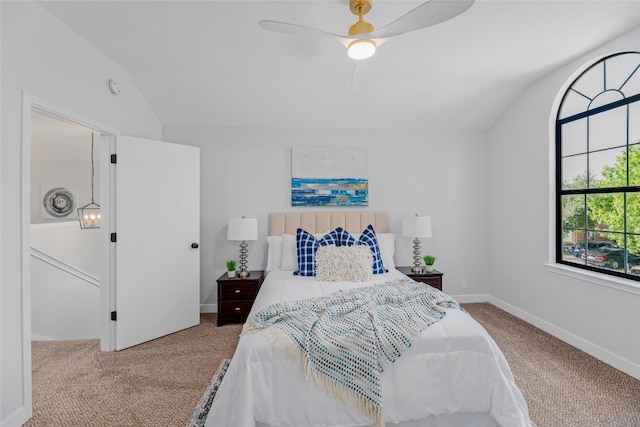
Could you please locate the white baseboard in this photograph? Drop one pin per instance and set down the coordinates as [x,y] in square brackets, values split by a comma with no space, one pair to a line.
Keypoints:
[208,308]
[471,298]
[16,419]
[588,347]
[37,337]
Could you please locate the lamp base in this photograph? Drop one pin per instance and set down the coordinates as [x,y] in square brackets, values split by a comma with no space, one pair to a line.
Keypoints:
[243,260]
[416,256]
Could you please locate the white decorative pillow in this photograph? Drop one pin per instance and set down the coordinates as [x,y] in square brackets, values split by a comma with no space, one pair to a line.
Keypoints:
[289,253]
[344,263]
[274,253]
[386,242]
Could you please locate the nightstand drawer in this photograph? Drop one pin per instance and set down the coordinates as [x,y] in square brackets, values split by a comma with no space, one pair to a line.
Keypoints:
[238,291]
[234,308]
[431,278]
[436,282]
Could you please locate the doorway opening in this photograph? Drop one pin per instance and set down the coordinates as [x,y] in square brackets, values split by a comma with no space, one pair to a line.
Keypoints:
[65,259]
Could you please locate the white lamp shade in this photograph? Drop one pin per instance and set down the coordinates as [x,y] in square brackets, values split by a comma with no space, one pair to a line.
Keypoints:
[243,229]
[416,226]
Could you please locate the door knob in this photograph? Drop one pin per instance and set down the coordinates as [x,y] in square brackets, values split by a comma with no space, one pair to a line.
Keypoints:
[195,245]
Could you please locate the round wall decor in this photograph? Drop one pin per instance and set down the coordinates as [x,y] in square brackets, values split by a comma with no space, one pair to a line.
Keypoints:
[59,202]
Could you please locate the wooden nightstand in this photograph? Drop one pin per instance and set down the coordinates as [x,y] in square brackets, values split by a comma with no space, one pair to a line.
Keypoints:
[433,278]
[236,296]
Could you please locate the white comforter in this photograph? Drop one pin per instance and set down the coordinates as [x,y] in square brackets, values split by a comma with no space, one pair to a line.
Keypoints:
[454,375]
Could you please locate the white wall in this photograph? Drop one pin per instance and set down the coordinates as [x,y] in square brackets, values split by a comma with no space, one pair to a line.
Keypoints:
[66,242]
[43,57]
[442,174]
[63,305]
[600,320]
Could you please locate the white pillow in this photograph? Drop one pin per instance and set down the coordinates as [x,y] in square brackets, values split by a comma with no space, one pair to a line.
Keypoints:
[274,253]
[344,263]
[386,243]
[289,253]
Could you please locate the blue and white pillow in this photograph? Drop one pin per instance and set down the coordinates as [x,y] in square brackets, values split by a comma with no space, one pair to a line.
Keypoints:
[368,237]
[307,245]
[346,239]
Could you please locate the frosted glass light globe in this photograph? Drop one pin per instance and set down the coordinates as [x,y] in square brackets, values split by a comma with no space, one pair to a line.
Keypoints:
[361,49]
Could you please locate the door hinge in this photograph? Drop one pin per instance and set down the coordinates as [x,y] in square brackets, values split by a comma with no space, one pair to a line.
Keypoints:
[113,237]
[113,159]
[114,316]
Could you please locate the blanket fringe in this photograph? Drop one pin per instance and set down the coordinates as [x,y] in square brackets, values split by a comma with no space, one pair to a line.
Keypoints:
[282,340]
[339,391]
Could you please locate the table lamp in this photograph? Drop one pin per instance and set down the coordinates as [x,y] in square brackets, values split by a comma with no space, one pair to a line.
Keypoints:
[416,227]
[243,229]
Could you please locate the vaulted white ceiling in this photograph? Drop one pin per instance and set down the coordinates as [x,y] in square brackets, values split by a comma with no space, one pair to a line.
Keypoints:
[210,63]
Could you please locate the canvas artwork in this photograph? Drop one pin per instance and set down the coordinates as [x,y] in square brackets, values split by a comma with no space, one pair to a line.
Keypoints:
[329,176]
[58,201]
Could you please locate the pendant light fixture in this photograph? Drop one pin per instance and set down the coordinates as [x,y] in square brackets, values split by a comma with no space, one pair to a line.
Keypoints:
[89,215]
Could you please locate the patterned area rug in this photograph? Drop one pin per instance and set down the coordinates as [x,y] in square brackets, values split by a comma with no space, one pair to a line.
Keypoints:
[202,410]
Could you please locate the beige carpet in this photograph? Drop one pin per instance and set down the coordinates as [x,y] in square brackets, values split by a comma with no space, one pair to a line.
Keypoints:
[161,382]
[563,386]
[158,383]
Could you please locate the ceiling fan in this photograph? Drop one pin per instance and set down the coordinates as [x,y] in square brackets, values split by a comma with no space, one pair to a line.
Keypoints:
[363,39]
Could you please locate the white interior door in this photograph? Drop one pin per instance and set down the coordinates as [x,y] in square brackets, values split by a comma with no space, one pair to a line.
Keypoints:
[157,225]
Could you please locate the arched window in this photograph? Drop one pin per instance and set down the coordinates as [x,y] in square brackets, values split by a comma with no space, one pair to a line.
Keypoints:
[598,169]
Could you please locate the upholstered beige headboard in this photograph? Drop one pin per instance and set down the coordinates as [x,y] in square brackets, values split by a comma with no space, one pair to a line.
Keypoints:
[320,222]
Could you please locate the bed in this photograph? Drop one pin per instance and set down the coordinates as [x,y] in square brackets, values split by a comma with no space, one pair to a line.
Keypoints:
[453,374]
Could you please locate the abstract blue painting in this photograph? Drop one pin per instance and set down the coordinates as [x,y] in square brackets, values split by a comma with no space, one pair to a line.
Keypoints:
[329,176]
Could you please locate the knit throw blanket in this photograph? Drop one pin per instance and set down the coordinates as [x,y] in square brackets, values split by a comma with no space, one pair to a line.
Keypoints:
[346,339]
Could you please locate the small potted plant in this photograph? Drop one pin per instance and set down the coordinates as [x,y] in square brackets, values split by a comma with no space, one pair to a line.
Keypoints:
[428,262]
[231,268]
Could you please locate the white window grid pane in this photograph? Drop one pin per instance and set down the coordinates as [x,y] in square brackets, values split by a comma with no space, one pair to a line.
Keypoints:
[608,129]
[574,137]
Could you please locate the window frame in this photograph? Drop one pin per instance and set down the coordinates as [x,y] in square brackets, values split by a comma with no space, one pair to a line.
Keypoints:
[560,192]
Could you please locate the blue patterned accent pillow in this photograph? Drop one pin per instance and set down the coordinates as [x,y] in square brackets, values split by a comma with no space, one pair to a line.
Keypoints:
[368,237]
[307,245]
[346,239]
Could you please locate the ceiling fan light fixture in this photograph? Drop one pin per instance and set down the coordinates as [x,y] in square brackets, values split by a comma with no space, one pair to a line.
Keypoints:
[361,49]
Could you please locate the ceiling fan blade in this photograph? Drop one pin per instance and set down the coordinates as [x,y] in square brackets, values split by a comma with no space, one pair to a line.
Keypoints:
[295,29]
[427,14]
[301,30]
[361,75]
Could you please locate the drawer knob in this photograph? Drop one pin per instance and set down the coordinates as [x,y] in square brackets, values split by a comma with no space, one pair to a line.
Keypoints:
[237,309]
[237,291]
